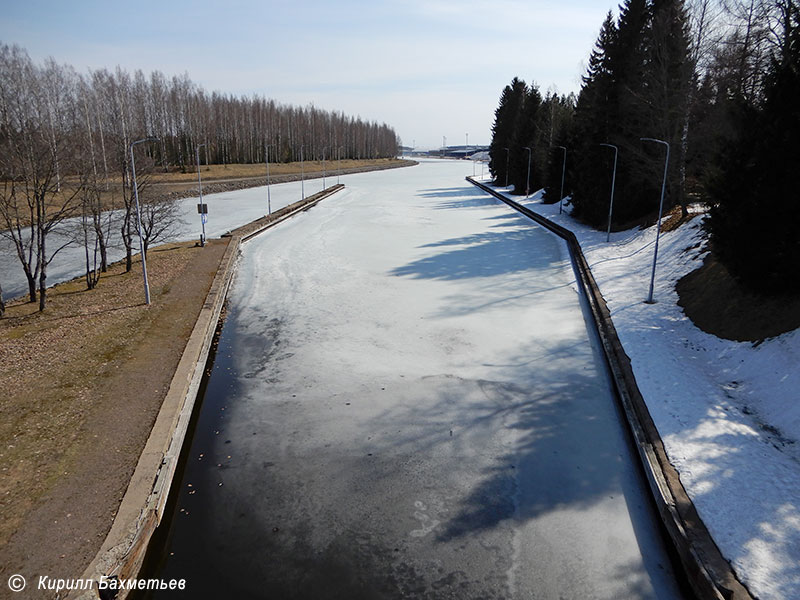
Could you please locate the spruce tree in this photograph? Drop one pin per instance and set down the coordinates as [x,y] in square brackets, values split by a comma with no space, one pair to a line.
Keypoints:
[595,114]
[506,118]
[668,78]
[525,136]
[637,187]
[560,111]
[756,213]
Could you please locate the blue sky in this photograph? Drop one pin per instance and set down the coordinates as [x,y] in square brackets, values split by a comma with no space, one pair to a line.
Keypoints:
[429,68]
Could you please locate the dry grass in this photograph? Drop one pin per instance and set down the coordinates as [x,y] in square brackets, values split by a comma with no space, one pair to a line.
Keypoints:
[82,384]
[238,171]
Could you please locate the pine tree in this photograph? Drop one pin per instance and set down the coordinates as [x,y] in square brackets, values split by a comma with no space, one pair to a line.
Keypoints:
[557,126]
[756,215]
[636,87]
[669,77]
[595,116]
[637,186]
[525,136]
[506,118]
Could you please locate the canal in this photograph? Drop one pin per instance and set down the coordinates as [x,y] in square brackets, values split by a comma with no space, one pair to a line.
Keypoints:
[407,402]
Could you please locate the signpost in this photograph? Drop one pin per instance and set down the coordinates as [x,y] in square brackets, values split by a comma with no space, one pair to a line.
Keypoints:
[202,209]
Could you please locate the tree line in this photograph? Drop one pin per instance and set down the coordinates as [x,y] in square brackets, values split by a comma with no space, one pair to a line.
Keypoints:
[65,146]
[716,80]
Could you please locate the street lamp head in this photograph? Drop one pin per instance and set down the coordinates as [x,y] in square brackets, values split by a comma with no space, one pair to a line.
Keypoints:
[649,139]
[147,139]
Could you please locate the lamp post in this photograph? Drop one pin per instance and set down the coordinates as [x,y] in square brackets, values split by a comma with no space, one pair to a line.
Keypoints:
[613,181]
[200,188]
[528,180]
[660,209]
[269,197]
[302,177]
[563,172]
[507,155]
[323,167]
[139,219]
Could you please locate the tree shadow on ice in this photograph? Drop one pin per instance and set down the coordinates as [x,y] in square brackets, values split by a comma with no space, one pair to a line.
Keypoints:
[459,197]
[760,531]
[484,255]
[544,440]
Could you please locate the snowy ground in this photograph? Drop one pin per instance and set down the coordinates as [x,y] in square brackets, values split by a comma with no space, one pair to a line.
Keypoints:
[729,412]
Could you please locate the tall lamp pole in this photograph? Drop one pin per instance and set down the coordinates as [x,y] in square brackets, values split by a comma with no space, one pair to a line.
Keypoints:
[302,177]
[613,181]
[660,210]
[528,180]
[563,172]
[323,167]
[139,219]
[200,189]
[269,197]
[507,155]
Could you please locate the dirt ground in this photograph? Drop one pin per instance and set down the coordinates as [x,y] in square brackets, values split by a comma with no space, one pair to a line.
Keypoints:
[82,384]
[717,304]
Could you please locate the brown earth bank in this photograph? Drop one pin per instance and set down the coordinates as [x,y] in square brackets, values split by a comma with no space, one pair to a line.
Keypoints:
[237,177]
[719,305]
[82,384]
[189,189]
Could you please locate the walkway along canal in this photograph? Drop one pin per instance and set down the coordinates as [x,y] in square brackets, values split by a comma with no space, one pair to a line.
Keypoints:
[407,402]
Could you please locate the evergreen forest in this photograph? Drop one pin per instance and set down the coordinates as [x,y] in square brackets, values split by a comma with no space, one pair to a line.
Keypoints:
[702,96]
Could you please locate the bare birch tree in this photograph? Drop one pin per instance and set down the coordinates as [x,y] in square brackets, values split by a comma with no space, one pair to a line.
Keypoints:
[31,204]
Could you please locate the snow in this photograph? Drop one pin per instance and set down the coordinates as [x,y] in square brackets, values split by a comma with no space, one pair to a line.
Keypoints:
[728,412]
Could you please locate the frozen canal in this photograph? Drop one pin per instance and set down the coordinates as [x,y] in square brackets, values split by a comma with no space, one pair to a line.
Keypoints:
[407,403]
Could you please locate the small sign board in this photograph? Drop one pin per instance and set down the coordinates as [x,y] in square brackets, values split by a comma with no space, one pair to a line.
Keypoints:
[202,209]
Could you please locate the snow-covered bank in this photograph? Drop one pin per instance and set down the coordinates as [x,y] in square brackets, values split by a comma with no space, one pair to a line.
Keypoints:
[728,412]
